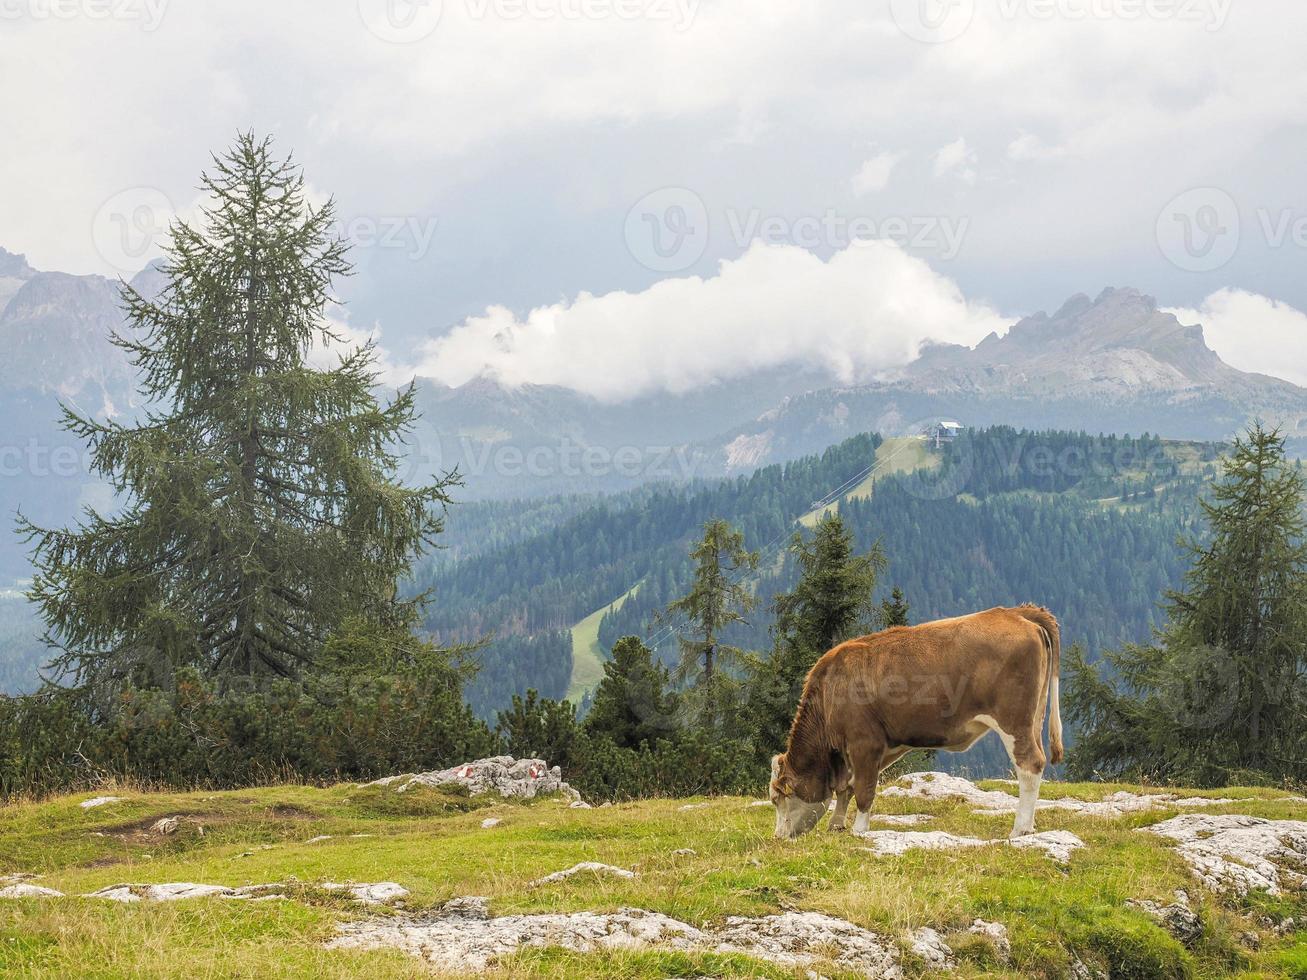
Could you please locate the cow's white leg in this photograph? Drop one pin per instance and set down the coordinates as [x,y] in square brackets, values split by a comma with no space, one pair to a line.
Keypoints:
[862,822]
[1024,822]
[841,808]
[1029,784]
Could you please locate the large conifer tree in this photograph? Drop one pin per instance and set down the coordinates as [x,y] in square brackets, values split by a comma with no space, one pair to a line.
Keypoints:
[1224,690]
[260,513]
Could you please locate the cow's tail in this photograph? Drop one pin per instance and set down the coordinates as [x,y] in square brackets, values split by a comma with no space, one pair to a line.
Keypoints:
[1047,622]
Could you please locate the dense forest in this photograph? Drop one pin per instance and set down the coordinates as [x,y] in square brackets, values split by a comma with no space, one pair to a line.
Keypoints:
[1087,525]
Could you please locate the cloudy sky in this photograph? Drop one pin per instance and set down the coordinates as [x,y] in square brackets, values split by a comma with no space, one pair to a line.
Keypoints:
[562,189]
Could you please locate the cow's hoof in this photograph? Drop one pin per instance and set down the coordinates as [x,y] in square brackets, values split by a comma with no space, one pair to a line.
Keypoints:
[836,828]
[1020,833]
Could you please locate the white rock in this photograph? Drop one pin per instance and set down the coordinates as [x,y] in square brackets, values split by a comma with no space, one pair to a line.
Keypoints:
[760,803]
[903,819]
[1056,844]
[370,893]
[692,806]
[500,775]
[116,893]
[892,843]
[92,803]
[489,822]
[942,786]
[579,805]
[800,938]
[1236,853]
[167,892]
[165,825]
[585,867]
[319,839]
[996,933]
[685,852]
[930,946]
[25,890]
[463,937]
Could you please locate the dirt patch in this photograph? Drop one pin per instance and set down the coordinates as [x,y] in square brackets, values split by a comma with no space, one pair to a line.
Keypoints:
[289,811]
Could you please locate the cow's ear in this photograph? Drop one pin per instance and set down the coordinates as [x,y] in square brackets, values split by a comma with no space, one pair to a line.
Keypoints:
[776,762]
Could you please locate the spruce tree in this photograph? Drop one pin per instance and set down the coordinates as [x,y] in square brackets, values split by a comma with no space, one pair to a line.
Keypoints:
[832,601]
[1223,690]
[632,704]
[894,610]
[717,599]
[260,511]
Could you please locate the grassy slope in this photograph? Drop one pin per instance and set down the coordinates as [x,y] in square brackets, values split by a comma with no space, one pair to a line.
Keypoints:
[587,655]
[896,454]
[432,843]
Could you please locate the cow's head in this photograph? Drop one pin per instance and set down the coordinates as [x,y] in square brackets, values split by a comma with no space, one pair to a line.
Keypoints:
[794,814]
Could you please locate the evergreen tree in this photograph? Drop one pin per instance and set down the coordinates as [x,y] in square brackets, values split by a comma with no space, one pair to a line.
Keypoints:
[717,599]
[1222,689]
[260,509]
[832,601]
[632,704]
[894,610]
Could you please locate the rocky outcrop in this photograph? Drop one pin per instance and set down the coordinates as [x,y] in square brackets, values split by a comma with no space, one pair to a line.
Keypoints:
[463,937]
[500,775]
[942,786]
[1236,853]
[1056,844]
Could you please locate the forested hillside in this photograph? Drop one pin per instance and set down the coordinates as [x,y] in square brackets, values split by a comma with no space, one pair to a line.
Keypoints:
[1086,525]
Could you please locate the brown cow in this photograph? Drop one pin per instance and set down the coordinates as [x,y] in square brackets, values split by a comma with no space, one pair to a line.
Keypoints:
[940,685]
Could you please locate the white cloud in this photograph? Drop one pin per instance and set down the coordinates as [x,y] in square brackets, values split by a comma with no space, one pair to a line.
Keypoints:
[1253,333]
[325,354]
[874,174]
[1028,146]
[956,157]
[867,309]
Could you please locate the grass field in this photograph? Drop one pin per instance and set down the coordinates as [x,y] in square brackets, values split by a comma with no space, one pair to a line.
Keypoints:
[432,842]
[587,654]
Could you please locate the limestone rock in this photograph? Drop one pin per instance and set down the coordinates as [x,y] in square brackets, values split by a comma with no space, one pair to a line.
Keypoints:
[1236,853]
[500,775]
[585,867]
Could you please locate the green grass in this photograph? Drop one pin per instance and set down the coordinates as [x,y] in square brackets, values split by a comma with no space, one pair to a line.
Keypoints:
[587,654]
[896,454]
[431,842]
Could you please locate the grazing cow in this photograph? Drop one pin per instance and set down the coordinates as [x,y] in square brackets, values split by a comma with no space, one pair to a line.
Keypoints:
[940,685]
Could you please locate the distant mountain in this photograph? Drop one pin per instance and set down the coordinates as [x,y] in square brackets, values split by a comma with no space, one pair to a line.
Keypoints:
[54,334]
[1115,364]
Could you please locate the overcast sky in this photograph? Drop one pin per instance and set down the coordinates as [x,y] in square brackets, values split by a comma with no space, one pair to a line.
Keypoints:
[537,175]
